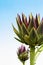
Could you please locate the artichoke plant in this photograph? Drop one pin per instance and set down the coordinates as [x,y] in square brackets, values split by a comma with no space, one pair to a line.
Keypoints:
[30,32]
[22,54]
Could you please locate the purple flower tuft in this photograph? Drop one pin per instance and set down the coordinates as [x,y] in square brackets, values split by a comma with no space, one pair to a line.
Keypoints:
[21,49]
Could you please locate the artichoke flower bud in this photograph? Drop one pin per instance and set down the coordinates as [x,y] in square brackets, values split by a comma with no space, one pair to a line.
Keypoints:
[22,54]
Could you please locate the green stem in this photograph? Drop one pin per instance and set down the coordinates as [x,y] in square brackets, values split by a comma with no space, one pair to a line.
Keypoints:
[23,63]
[32,55]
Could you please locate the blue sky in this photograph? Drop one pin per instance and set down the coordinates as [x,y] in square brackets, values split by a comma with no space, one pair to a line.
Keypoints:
[8,13]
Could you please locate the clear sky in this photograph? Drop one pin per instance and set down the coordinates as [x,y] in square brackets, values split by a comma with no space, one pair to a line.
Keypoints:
[8,13]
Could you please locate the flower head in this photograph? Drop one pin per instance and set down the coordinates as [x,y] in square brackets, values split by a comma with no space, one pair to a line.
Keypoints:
[22,53]
[29,30]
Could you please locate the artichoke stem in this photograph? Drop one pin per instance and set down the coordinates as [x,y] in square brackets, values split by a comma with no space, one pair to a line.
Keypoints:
[32,55]
[24,63]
